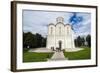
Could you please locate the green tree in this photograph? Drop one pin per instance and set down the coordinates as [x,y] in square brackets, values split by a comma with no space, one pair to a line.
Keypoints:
[44,42]
[39,40]
[33,40]
[79,41]
[76,42]
[29,40]
[88,40]
[83,41]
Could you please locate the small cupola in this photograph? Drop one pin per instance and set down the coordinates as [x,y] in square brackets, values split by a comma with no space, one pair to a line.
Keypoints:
[60,19]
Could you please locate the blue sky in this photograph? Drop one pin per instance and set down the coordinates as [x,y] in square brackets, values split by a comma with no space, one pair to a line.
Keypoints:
[38,21]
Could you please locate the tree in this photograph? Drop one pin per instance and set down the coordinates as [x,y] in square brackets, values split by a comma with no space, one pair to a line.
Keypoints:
[39,40]
[44,42]
[33,40]
[29,40]
[79,41]
[88,40]
[76,42]
[83,41]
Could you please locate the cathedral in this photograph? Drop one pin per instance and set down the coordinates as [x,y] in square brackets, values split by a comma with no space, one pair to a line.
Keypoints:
[60,35]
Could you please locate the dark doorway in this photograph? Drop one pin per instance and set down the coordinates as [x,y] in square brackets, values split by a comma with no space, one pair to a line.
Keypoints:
[60,45]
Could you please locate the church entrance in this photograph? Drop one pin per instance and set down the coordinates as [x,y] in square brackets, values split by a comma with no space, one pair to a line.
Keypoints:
[60,45]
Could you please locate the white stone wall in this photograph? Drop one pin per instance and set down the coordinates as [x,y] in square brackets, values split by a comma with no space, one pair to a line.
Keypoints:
[51,36]
[60,32]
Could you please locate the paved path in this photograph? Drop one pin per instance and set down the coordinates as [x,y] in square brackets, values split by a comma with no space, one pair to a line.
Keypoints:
[73,49]
[58,56]
[42,49]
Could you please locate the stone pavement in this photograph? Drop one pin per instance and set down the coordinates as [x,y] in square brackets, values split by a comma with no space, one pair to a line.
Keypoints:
[73,49]
[58,56]
[42,49]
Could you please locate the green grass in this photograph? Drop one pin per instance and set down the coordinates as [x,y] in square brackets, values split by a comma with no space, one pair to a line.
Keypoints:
[80,55]
[36,57]
[25,50]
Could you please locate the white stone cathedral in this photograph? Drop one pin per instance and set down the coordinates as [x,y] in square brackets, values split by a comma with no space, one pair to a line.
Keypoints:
[60,35]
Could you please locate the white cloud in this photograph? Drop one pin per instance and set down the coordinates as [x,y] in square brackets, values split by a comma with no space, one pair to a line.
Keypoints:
[37,21]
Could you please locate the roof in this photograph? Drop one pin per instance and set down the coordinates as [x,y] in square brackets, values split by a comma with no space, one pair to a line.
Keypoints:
[51,24]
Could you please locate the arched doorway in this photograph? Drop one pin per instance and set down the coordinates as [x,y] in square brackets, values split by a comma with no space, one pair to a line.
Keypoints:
[60,45]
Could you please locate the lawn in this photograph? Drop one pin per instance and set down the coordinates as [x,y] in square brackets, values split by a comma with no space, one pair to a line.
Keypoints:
[80,55]
[36,57]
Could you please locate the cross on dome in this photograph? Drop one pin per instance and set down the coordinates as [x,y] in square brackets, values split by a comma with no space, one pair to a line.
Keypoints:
[60,19]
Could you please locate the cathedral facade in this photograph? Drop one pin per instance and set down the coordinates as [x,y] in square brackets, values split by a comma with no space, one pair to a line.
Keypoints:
[60,35]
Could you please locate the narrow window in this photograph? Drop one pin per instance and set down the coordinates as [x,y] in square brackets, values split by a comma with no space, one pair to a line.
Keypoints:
[59,30]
